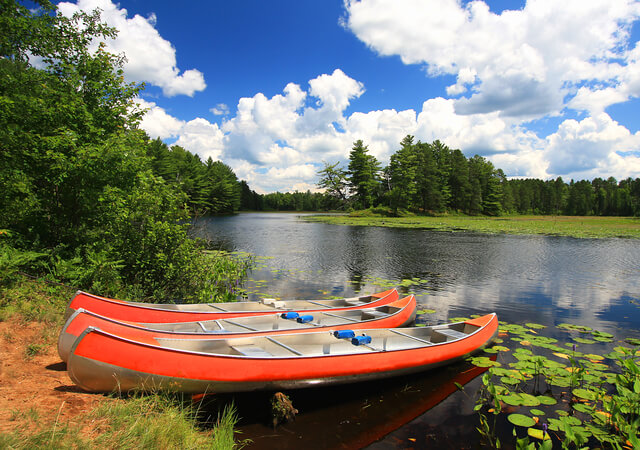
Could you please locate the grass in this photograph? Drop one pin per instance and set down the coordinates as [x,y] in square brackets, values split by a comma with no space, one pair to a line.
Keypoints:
[155,421]
[579,227]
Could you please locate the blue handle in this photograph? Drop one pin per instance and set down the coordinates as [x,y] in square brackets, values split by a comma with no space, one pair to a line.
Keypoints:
[304,319]
[361,340]
[290,315]
[344,334]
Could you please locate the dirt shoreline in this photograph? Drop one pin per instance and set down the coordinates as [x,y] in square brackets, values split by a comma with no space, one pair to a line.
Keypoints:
[35,391]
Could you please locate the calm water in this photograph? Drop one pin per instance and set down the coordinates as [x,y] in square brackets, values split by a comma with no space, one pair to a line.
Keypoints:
[547,280]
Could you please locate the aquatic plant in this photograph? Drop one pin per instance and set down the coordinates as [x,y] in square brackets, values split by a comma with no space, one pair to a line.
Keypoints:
[586,398]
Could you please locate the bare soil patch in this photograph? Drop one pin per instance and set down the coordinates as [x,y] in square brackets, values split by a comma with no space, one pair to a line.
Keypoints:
[35,389]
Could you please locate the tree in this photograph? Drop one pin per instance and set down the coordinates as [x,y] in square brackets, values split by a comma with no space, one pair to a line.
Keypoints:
[223,189]
[76,178]
[401,175]
[56,120]
[458,182]
[363,175]
[333,180]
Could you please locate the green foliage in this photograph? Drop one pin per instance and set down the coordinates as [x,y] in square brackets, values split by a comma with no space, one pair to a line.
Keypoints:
[334,182]
[34,300]
[363,175]
[86,197]
[599,408]
[13,260]
[210,188]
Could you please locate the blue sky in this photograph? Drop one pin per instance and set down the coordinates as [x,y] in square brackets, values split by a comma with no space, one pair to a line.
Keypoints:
[275,88]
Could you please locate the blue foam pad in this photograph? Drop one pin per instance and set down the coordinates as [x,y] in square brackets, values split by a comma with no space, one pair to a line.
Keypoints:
[344,334]
[360,340]
[290,315]
[304,319]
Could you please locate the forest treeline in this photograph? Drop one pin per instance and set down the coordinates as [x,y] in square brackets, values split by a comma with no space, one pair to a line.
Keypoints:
[420,177]
[432,178]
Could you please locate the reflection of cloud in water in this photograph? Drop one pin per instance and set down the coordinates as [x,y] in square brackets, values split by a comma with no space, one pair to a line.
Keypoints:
[523,278]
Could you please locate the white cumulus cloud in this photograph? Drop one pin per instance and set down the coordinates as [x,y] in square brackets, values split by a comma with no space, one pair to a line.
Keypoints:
[150,57]
[519,63]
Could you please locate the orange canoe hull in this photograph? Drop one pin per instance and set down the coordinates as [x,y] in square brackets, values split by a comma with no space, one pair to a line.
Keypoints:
[82,320]
[159,313]
[103,362]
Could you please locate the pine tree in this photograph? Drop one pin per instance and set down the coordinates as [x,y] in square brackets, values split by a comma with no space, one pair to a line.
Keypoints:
[363,175]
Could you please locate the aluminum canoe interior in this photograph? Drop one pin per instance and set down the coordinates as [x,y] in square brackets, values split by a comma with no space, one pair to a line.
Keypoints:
[85,300]
[278,321]
[400,313]
[325,343]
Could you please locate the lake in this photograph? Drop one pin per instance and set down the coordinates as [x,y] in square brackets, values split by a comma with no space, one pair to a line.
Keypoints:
[542,279]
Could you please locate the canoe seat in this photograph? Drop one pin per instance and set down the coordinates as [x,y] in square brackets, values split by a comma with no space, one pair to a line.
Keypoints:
[373,314]
[251,350]
[451,333]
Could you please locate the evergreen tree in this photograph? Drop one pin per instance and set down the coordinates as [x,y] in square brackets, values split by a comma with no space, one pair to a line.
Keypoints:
[459,185]
[428,188]
[401,175]
[223,191]
[363,175]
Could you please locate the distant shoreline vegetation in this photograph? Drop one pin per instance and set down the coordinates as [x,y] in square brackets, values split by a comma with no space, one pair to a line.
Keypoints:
[434,179]
[570,226]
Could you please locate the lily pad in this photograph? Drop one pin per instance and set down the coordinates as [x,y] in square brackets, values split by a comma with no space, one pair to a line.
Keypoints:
[521,420]
[537,412]
[572,327]
[535,326]
[425,311]
[513,400]
[585,394]
[537,433]
[510,380]
[546,400]
[483,361]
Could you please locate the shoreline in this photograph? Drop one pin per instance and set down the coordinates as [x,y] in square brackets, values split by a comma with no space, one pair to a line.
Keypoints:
[600,227]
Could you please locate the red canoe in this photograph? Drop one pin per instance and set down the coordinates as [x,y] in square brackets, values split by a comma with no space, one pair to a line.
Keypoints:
[396,314]
[104,362]
[167,312]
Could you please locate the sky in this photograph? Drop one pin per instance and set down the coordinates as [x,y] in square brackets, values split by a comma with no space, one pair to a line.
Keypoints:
[276,89]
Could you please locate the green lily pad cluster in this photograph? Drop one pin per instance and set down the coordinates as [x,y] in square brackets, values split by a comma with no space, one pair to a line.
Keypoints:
[557,393]
[599,336]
